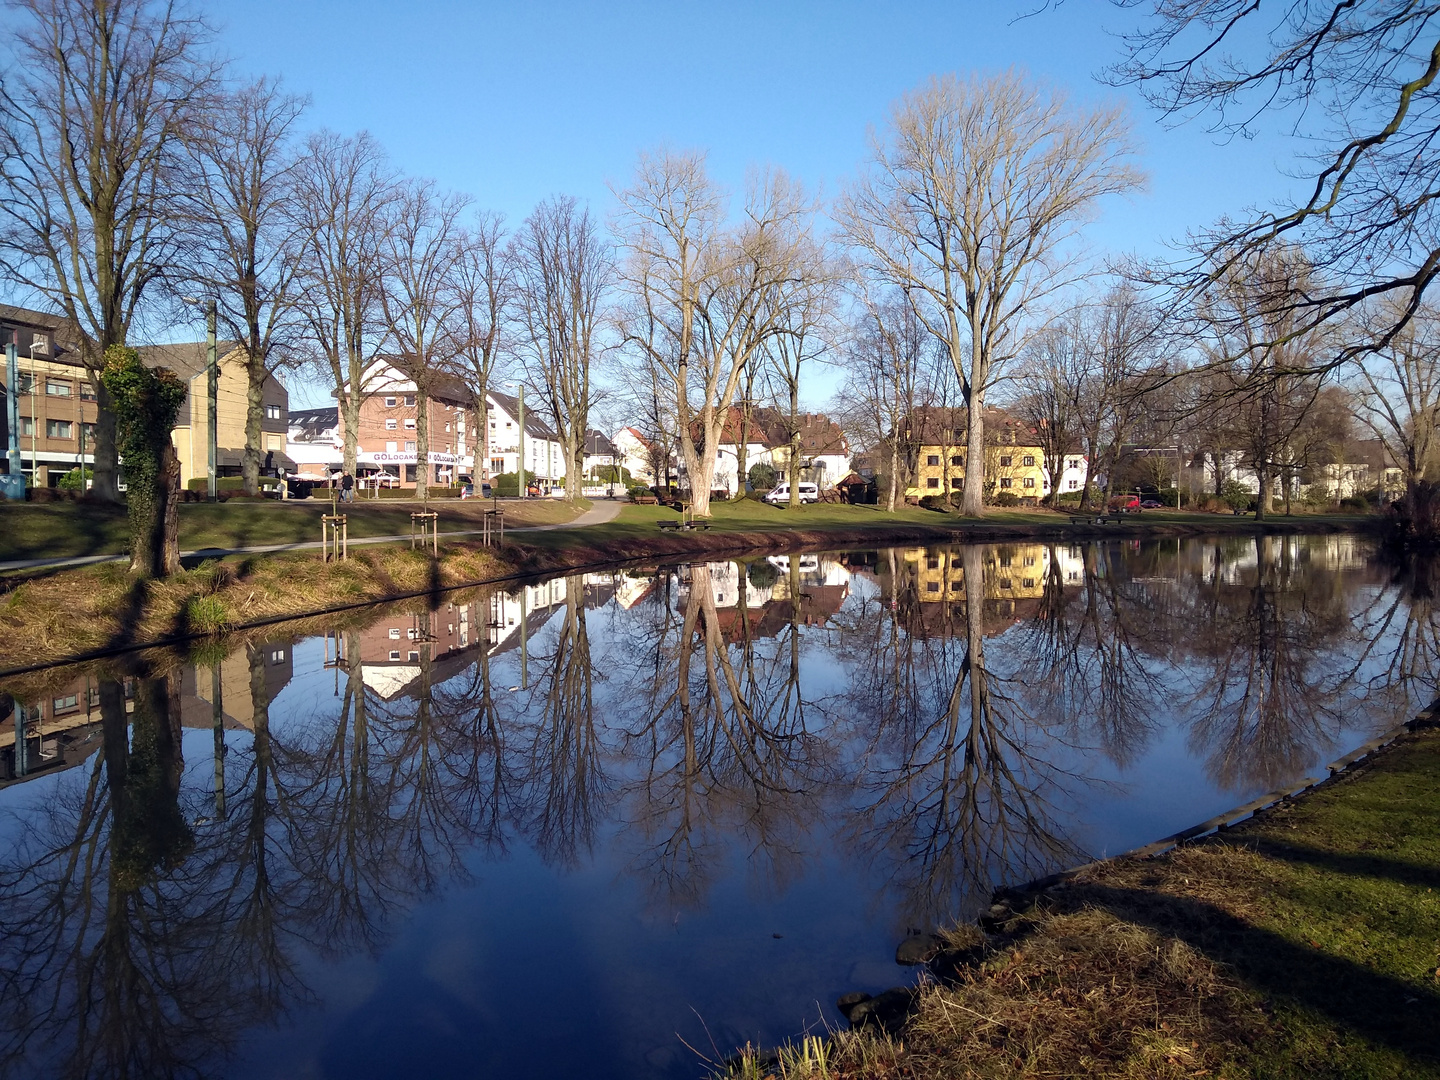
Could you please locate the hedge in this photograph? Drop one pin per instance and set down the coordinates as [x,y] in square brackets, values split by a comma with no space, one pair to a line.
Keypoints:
[229,483]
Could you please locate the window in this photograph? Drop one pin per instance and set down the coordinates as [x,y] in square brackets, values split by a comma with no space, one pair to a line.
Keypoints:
[957,585]
[414,657]
[69,701]
[932,459]
[390,402]
[1029,481]
[1073,463]
[394,654]
[932,562]
[27,426]
[56,389]
[957,482]
[1072,484]
[410,448]
[410,425]
[410,400]
[1029,560]
[391,447]
[1005,583]
[1005,482]
[394,633]
[957,460]
[391,424]
[933,482]
[1004,560]
[508,425]
[1028,583]
[87,392]
[277,656]
[59,429]
[932,586]
[447,427]
[26,384]
[272,412]
[1004,462]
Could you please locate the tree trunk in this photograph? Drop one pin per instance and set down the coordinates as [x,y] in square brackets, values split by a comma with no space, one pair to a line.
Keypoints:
[422,444]
[974,503]
[894,477]
[1262,501]
[106,479]
[794,462]
[575,454]
[254,417]
[350,406]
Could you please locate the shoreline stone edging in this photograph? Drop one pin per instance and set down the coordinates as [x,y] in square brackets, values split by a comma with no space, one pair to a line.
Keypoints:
[891,1008]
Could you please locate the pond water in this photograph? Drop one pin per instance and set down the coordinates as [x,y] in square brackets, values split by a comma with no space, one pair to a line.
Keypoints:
[615,824]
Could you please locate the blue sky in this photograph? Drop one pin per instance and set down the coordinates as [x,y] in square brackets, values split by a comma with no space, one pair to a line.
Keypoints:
[514,102]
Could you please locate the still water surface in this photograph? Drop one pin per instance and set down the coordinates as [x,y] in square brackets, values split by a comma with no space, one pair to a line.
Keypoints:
[606,825]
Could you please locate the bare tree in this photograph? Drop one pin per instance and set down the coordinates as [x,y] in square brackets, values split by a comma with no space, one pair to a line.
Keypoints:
[419,253]
[1398,390]
[1255,334]
[966,206]
[706,296]
[90,112]
[564,271]
[1356,85]
[883,373]
[808,334]
[249,244]
[1052,389]
[342,189]
[484,292]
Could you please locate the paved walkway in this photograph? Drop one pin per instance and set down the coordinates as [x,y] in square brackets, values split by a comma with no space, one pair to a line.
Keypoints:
[598,514]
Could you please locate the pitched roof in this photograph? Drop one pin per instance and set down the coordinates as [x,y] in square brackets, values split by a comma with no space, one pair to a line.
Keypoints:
[770,427]
[533,424]
[596,442]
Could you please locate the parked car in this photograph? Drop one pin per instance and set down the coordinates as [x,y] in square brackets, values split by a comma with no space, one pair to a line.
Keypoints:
[1151,504]
[1125,504]
[809,493]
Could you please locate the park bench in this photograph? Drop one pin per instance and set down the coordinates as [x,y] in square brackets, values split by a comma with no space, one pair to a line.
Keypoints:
[1094,519]
[679,524]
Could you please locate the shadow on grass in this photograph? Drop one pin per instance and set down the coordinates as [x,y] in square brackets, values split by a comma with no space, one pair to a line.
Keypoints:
[129,615]
[1385,1010]
[1370,866]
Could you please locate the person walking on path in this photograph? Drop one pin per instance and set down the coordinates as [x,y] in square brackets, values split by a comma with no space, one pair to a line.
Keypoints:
[347,488]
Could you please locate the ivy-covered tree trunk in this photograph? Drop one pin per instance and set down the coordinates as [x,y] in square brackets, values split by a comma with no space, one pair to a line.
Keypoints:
[147,403]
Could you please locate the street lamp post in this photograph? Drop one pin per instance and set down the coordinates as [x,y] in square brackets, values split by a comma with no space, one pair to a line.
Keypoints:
[520,468]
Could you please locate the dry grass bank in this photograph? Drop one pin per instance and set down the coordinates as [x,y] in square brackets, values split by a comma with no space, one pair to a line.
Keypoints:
[1304,943]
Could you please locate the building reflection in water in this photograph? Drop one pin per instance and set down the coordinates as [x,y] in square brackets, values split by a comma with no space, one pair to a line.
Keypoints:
[937,717]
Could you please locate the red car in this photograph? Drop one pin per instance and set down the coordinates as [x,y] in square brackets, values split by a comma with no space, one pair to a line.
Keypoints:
[1125,504]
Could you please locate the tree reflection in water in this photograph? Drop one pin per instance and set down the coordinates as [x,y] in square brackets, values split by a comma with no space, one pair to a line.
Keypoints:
[934,724]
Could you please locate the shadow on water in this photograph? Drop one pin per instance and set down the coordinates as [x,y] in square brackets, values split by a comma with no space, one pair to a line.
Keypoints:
[678,754]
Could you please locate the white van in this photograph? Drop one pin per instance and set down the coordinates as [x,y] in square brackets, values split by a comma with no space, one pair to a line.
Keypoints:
[809,493]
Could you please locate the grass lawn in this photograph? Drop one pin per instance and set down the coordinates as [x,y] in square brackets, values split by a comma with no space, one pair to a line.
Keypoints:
[60,530]
[1303,943]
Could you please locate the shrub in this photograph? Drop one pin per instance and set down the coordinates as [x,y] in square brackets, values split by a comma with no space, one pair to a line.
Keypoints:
[762,476]
[230,483]
[72,481]
[1355,504]
[205,614]
[1234,495]
[1005,498]
[934,502]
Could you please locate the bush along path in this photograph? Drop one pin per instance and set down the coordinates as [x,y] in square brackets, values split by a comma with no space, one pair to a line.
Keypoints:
[1303,942]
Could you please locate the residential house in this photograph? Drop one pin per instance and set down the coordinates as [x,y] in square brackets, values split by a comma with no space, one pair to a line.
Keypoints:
[544,454]
[389,419]
[1013,462]
[824,450]
[56,397]
[188,360]
[600,453]
[314,442]
[636,454]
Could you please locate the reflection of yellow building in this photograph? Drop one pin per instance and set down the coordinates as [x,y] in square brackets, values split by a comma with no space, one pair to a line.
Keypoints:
[1019,470]
[1012,572]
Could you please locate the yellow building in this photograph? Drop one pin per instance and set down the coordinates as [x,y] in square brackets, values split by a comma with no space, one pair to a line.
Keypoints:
[192,429]
[1019,470]
[1011,571]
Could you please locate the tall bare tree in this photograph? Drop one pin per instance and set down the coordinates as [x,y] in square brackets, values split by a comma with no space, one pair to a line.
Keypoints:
[1052,390]
[250,243]
[90,112]
[705,295]
[343,187]
[967,204]
[484,293]
[565,269]
[419,253]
